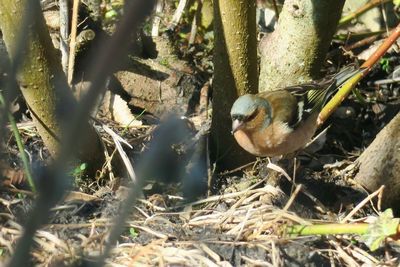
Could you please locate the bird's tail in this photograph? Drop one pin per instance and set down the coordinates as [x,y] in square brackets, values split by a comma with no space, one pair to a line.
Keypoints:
[314,96]
[337,80]
[344,74]
[329,85]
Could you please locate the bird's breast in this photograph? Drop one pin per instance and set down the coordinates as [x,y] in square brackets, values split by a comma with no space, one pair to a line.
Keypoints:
[265,142]
[276,139]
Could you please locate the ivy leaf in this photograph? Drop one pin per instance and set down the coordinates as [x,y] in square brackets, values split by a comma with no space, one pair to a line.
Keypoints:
[378,231]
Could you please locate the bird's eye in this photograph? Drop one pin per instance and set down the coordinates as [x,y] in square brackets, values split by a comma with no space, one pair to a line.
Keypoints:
[244,118]
[238,117]
[252,116]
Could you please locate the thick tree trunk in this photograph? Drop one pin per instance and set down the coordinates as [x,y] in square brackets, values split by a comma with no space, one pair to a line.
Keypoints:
[295,51]
[379,164]
[40,76]
[235,73]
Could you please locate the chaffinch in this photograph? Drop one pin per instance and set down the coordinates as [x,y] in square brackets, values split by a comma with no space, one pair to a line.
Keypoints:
[283,121]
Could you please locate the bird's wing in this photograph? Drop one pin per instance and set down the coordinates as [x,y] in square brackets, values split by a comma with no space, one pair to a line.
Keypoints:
[309,98]
[283,105]
[313,96]
[306,98]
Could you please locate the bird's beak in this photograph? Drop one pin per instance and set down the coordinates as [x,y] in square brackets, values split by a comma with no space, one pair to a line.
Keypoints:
[236,125]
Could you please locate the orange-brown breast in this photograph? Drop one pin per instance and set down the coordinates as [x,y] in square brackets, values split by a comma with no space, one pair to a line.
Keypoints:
[268,142]
[277,139]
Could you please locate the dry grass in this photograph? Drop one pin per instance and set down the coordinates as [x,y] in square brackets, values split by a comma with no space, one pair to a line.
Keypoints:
[239,227]
[242,224]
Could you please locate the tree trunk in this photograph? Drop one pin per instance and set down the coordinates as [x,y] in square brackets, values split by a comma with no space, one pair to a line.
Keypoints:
[235,73]
[40,76]
[295,51]
[379,164]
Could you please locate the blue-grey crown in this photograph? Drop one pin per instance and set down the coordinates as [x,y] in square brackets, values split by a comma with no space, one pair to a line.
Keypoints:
[244,105]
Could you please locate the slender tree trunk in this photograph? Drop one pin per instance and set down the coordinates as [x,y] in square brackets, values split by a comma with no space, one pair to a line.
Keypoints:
[296,50]
[40,76]
[235,73]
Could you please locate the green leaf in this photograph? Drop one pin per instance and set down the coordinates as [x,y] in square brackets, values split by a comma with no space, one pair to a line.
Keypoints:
[133,232]
[111,14]
[385,64]
[79,170]
[378,231]
[396,2]
[83,166]
[164,62]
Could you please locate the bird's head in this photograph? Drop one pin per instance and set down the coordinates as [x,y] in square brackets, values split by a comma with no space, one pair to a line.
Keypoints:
[250,112]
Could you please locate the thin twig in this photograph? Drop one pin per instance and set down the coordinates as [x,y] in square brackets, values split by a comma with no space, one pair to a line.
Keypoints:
[195,22]
[343,92]
[362,204]
[118,140]
[387,81]
[64,30]
[362,10]
[72,43]
[22,154]
[178,14]
[155,30]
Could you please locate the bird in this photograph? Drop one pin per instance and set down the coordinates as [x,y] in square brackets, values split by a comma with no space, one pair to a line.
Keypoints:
[281,122]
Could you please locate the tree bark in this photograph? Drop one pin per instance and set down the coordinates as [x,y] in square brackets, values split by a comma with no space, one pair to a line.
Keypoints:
[40,76]
[295,51]
[379,164]
[235,73]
